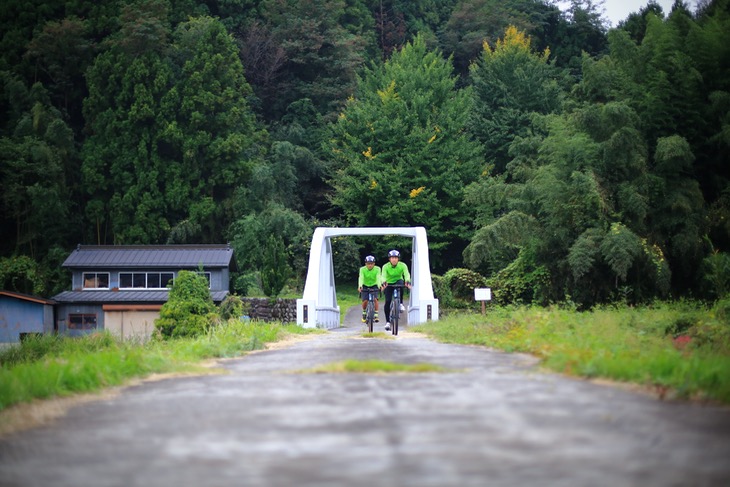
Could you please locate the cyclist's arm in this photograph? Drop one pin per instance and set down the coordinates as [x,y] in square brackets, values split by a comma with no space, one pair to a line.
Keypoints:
[379,278]
[360,278]
[406,274]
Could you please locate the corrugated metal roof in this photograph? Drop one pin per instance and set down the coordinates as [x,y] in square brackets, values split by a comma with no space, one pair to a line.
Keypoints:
[26,297]
[151,256]
[123,296]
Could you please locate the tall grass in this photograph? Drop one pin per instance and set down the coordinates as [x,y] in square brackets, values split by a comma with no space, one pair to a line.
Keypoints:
[46,366]
[680,347]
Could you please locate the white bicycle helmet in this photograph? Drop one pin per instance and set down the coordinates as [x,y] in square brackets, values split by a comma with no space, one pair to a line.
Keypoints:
[394,253]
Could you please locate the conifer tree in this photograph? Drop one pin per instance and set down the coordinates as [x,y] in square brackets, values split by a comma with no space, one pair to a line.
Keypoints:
[401,155]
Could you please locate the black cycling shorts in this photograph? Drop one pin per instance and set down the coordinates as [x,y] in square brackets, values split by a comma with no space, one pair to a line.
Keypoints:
[366,289]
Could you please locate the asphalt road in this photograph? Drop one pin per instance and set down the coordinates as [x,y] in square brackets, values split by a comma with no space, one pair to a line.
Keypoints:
[494,420]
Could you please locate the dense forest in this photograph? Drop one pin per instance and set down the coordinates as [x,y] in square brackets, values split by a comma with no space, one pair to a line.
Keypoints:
[561,159]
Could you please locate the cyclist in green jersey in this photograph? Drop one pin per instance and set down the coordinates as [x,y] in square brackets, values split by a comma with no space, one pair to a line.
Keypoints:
[395,272]
[369,280]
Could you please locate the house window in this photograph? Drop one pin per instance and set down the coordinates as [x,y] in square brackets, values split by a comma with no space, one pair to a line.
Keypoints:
[81,321]
[207,277]
[145,280]
[159,280]
[96,280]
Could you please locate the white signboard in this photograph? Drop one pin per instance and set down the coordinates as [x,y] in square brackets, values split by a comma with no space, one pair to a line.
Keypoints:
[482,294]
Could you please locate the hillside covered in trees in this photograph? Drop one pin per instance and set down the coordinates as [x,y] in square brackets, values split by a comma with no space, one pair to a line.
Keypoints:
[560,159]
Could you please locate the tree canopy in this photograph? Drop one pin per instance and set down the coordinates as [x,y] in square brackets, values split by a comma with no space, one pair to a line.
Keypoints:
[562,159]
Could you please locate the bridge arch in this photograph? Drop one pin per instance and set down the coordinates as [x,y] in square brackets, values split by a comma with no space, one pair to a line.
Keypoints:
[318,306]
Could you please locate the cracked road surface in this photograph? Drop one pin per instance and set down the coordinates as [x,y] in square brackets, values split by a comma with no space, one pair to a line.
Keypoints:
[495,419]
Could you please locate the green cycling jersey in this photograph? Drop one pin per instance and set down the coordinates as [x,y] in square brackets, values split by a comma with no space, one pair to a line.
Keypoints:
[394,273]
[369,277]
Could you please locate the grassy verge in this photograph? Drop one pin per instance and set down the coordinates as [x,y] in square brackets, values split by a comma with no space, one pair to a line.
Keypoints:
[680,348]
[49,366]
[374,367]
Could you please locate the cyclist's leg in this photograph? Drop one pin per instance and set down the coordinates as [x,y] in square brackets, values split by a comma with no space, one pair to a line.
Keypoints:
[394,316]
[388,297]
[364,297]
[370,315]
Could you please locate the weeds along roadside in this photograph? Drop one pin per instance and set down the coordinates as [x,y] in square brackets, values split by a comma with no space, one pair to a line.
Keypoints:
[679,349]
[49,365]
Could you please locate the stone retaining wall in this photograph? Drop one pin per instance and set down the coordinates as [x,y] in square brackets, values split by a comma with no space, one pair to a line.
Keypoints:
[265,309]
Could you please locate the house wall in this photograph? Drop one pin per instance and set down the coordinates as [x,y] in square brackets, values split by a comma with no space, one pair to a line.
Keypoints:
[63,312]
[224,278]
[219,278]
[18,316]
[131,323]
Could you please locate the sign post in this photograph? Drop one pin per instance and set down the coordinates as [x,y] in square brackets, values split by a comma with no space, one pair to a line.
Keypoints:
[483,294]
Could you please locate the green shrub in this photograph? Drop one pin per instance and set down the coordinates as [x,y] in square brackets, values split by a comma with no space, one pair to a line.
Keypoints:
[722,310]
[715,271]
[232,307]
[462,283]
[247,284]
[456,288]
[522,282]
[189,311]
[442,292]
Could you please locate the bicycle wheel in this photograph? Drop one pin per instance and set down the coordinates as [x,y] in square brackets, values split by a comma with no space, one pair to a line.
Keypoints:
[370,316]
[395,315]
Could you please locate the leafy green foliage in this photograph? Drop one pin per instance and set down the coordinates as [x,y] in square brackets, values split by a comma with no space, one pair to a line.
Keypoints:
[275,270]
[172,136]
[620,247]
[716,272]
[231,307]
[34,162]
[522,281]
[474,22]
[462,282]
[402,158]
[321,55]
[132,122]
[257,227]
[21,274]
[189,310]
[510,83]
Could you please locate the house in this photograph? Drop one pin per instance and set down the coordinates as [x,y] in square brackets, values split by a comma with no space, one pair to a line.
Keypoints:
[121,288]
[23,314]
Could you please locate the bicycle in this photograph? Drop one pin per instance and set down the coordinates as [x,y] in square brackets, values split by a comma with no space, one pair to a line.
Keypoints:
[395,307]
[370,310]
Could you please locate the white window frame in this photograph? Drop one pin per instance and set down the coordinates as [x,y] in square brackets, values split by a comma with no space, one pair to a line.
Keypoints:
[96,280]
[146,280]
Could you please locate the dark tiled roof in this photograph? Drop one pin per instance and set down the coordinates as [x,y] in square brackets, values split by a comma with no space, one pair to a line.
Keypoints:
[109,297]
[151,256]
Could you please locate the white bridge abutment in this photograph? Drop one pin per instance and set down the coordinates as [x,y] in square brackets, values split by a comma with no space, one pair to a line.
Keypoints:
[318,306]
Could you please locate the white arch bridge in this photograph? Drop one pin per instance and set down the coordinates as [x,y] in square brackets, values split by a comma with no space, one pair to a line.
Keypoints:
[318,306]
